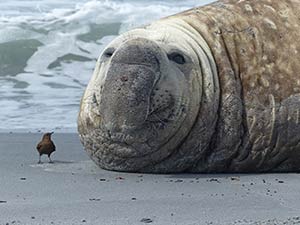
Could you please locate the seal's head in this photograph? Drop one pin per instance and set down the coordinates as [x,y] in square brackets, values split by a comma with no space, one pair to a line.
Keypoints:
[142,99]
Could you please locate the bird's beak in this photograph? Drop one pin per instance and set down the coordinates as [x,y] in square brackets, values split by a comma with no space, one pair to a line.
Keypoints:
[52,133]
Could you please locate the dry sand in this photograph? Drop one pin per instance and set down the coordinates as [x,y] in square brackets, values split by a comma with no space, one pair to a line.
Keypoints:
[73,190]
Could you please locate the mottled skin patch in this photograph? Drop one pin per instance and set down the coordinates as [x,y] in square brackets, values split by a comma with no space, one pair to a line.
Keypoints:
[238,92]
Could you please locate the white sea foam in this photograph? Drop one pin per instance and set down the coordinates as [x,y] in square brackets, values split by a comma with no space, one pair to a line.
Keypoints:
[62,42]
[81,167]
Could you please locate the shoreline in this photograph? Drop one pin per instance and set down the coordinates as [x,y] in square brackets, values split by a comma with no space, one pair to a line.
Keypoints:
[73,190]
[39,131]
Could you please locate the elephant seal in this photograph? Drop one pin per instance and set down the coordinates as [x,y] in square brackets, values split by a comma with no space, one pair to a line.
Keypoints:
[212,89]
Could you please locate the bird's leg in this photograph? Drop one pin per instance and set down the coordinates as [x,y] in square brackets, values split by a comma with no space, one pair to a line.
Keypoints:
[50,161]
[39,162]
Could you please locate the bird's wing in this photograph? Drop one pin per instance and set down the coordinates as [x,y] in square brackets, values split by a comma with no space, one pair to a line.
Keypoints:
[38,147]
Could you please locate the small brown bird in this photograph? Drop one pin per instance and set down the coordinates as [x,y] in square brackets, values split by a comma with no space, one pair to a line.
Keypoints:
[46,146]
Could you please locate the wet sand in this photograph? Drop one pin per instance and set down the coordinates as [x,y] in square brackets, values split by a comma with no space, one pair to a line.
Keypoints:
[73,190]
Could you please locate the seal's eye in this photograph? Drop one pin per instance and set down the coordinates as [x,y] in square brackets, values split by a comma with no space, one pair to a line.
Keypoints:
[109,52]
[177,57]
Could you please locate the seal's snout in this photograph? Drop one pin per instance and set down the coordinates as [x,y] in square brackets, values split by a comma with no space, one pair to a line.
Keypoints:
[130,78]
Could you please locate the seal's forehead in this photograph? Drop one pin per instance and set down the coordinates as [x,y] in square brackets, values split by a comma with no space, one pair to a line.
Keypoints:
[158,32]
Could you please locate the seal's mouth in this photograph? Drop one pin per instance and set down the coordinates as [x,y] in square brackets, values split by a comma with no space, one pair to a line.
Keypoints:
[147,137]
[118,137]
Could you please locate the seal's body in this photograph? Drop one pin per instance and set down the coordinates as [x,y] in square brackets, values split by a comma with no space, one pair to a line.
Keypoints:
[212,89]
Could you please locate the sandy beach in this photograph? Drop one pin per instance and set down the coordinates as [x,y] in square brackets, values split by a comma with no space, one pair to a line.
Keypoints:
[73,190]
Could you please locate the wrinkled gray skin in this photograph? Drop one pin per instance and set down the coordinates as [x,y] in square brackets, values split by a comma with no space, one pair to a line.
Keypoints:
[144,100]
[212,89]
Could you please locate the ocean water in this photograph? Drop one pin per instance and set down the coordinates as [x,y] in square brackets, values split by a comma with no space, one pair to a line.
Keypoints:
[48,50]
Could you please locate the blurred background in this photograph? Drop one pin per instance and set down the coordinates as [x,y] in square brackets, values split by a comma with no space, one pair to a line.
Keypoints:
[48,50]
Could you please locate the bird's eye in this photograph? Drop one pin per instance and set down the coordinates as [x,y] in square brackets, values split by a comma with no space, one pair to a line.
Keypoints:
[109,52]
[177,58]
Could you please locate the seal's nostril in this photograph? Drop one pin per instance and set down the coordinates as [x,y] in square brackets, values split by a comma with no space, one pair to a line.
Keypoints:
[112,128]
[108,133]
[124,78]
[94,99]
[126,129]
[108,127]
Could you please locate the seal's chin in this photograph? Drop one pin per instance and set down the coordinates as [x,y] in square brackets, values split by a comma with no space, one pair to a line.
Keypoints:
[126,145]
[139,139]
[150,136]
[122,138]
